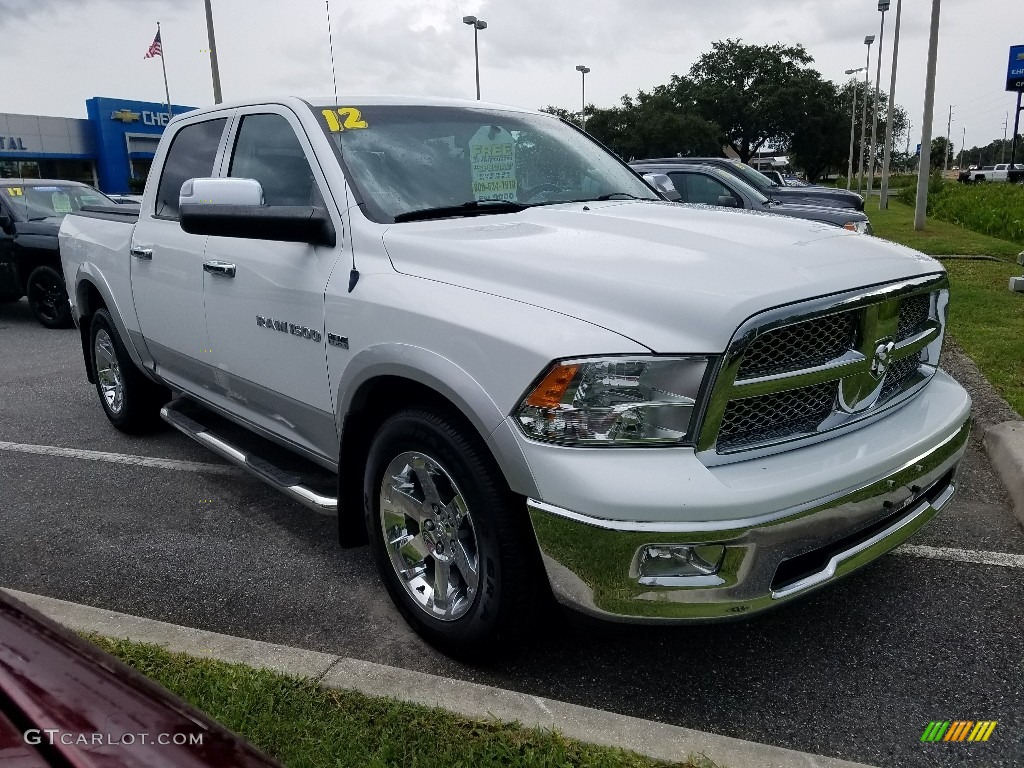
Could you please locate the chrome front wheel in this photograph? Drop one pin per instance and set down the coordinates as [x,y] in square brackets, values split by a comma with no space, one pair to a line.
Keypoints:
[108,372]
[430,536]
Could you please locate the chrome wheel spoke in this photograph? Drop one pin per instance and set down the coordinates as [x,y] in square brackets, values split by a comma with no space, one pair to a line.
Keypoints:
[441,588]
[108,372]
[400,499]
[412,549]
[426,481]
[467,566]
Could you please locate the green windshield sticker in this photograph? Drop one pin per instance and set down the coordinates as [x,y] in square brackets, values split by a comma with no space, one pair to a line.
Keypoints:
[344,119]
[61,202]
[492,157]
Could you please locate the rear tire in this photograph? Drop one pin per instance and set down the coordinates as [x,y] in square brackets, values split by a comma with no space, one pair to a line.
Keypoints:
[131,401]
[440,516]
[48,298]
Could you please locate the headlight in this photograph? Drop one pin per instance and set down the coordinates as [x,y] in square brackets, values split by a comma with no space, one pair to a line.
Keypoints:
[863,227]
[614,402]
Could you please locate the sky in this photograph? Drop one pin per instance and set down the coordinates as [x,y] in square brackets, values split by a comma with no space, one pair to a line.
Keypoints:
[55,54]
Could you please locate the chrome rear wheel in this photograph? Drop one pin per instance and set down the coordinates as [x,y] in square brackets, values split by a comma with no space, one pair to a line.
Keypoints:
[108,372]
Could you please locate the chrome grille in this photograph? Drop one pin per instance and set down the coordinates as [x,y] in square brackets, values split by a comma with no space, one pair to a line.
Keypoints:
[914,312]
[897,375]
[802,345]
[776,416]
[803,370]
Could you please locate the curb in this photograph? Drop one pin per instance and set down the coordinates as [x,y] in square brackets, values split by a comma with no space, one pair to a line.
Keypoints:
[1004,444]
[472,700]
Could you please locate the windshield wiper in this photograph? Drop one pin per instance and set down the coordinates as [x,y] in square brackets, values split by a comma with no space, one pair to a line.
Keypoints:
[472,208]
[620,196]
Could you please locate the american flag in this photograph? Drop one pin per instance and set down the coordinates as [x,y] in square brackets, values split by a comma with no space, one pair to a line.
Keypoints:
[155,49]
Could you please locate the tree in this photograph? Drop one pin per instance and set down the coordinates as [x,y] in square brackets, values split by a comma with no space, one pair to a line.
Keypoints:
[750,91]
[941,149]
[820,138]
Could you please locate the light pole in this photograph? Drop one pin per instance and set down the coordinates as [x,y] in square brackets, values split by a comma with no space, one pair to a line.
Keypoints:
[883,202]
[853,126]
[864,118]
[477,25]
[583,110]
[924,167]
[883,6]
[215,70]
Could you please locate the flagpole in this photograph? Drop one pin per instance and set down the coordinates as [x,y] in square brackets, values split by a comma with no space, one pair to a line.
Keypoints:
[163,63]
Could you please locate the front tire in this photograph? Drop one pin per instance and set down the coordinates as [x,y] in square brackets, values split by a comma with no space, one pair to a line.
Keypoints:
[131,401]
[48,298]
[451,541]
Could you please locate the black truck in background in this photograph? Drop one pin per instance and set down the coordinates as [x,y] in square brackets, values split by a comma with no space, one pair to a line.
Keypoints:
[31,211]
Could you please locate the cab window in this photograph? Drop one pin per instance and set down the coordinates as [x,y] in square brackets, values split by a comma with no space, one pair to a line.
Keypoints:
[191,156]
[268,151]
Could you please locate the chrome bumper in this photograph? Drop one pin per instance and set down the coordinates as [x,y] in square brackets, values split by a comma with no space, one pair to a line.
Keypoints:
[593,565]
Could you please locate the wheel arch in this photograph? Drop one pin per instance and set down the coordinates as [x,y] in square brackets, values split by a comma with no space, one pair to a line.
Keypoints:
[379,389]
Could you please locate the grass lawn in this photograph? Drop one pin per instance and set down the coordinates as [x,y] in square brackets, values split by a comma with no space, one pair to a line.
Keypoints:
[986,319]
[303,726]
[940,238]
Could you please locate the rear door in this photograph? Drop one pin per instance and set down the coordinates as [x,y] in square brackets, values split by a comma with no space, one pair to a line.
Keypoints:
[167,262]
[8,279]
[266,321]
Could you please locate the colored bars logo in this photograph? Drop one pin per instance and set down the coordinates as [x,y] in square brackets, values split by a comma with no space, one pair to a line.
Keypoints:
[958,730]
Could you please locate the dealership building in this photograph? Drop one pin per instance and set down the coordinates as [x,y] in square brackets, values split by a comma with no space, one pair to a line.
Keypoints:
[113,144]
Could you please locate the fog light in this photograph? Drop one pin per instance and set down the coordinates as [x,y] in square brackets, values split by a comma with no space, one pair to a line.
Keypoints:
[681,565]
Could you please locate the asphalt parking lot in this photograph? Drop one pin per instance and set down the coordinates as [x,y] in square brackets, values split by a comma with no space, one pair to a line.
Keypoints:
[855,672]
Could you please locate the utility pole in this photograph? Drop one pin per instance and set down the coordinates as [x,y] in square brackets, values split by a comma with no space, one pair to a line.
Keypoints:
[949,129]
[214,69]
[883,202]
[1006,125]
[853,125]
[883,6]
[868,41]
[963,146]
[921,210]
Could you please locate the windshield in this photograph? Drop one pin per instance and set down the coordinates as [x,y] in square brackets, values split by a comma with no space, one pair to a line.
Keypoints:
[756,179]
[731,181]
[43,201]
[405,159]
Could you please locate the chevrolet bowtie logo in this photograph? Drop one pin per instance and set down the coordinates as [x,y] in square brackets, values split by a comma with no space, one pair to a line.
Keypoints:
[125,116]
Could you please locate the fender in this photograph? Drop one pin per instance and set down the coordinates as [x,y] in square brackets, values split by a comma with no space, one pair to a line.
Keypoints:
[134,342]
[445,377]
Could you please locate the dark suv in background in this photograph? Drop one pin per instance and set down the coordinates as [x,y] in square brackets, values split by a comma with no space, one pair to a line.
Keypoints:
[822,196]
[31,211]
[709,185]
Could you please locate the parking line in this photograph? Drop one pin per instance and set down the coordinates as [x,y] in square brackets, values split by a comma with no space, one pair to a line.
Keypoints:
[1002,559]
[120,458]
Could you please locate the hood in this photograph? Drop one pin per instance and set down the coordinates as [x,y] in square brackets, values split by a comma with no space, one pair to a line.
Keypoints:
[47,226]
[673,278]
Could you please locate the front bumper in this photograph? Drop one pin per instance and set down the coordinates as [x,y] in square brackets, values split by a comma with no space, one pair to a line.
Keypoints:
[593,564]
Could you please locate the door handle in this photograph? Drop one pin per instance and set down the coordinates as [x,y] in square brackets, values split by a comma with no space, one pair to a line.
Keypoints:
[145,254]
[222,268]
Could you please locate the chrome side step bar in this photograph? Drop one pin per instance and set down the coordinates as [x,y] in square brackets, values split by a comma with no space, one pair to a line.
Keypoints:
[286,482]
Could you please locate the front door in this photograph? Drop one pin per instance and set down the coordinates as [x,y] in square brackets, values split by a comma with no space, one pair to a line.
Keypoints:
[266,322]
[167,262]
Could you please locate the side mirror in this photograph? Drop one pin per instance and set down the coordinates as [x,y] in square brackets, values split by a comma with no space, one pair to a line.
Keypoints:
[235,208]
[727,201]
[664,185]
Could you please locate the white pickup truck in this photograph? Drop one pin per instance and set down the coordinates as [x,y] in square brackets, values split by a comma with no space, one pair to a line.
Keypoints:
[1000,172]
[495,351]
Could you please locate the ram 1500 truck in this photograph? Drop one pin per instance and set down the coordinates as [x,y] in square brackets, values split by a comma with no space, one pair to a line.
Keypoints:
[496,353]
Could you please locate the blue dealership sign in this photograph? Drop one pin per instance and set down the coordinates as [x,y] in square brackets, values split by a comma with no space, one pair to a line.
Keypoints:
[1015,72]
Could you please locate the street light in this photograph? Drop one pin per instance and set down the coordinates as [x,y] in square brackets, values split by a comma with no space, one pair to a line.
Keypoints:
[883,6]
[477,25]
[853,126]
[583,112]
[883,202]
[868,41]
